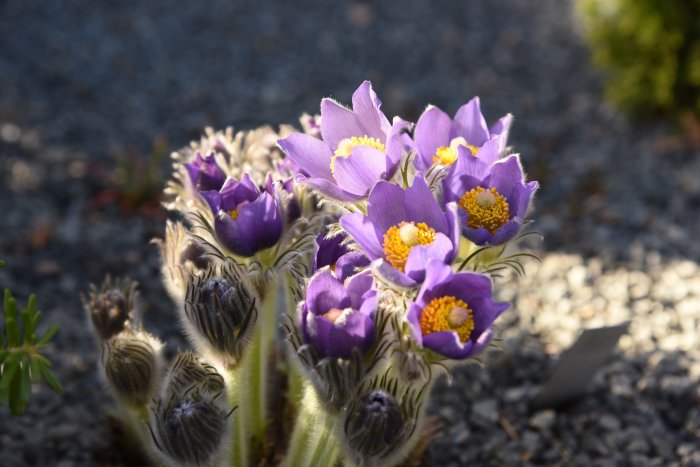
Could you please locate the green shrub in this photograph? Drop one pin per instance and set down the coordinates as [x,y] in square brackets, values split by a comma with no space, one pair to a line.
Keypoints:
[651,50]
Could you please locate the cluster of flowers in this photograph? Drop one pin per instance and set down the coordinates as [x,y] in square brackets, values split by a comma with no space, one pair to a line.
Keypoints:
[401,229]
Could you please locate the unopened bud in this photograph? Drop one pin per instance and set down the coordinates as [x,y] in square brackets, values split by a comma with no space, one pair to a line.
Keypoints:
[222,311]
[190,430]
[189,371]
[112,307]
[131,362]
[374,424]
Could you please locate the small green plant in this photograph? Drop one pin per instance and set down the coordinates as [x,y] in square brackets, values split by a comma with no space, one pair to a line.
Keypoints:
[21,362]
[651,50]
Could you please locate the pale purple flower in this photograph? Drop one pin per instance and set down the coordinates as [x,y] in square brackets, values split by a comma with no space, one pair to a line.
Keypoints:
[338,318]
[246,219]
[205,174]
[404,229]
[453,312]
[438,138]
[332,253]
[358,147]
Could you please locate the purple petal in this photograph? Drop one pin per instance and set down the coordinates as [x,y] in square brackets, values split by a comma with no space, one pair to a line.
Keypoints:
[447,343]
[485,311]
[213,198]
[436,272]
[440,249]
[483,341]
[258,226]
[357,286]
[325,292]
[312,155]
[363,232]
[395,144]
[479,236]
[386,206]
[328,188]
[421,205]
[470,124]
[432,131]
[328,251]
[466,173]
[366,107]
[348,264]
[358,172]
[489,152]
[500,129]
[506,175]
[455,232]
[338,123]
[391,274]
[413,318]
[506,232]
[466,286]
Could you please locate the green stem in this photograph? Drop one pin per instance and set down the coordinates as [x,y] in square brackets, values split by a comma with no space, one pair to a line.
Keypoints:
[313,439]
[240,454]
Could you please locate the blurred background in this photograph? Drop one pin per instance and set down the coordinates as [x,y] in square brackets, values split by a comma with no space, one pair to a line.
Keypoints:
[94,96]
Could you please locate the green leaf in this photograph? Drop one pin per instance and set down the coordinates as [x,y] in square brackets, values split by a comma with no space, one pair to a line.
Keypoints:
[11,319]
[35,320]
[2,262]
[35,369]
[16,403]
[27,319]
[25,387]
[47,337]
[9,370]
[51,380]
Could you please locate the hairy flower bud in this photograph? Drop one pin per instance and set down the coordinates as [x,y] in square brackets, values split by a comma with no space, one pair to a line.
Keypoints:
[189,371]
[380,422]
[190,429]
[132,362]
[221,311]
[112,307]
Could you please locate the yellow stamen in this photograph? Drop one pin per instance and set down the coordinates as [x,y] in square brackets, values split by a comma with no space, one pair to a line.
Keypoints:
[399,240]
[346,146]
[447,313]
[486,208]
[233,214]
[447,155]
[333,314]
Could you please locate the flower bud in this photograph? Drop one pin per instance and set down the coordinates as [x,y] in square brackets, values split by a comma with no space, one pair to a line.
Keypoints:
[189,371]
[112,307]
[190,430]
[132,363]
[221,312]
[380,422]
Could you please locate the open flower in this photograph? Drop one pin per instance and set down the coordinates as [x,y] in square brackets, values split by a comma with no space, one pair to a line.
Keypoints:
[359,147]
[438,138]
[205,174]
[246,219]
[492,200]
[453,312]
[341,260]
[404,229]
[337,318]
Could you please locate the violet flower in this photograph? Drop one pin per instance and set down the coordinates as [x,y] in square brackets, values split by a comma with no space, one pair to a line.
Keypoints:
[336,318]
[205,174]
[342,261]
[438,138]
[453,312]
[246,219]
[404,229]
[492,200]
[358,147]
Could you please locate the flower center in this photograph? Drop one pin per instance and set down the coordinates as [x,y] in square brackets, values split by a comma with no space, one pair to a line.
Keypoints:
[345,146]
[233,214]
[333,314]
[486,208]
[446,155]
[399,240]
[447,314]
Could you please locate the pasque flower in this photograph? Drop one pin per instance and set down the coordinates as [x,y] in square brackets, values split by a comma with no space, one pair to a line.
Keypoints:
[404,229]
[438,138]
[205,174]
[453,312]
[341,260]
[493,200]
[337,318]
[358,147]
[246,219]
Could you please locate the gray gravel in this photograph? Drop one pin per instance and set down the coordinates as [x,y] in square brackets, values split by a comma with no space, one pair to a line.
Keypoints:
[82,86]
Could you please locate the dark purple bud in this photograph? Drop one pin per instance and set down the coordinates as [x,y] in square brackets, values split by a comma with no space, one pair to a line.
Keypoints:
[112,307]
[205,173]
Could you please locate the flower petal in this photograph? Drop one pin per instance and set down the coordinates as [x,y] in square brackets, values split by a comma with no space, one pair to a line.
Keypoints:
[363,232]
[506,175]
[325,292]
[348,264]
[421,205]
[440,249]
[326,187]
[447,343]
[386,206]
[470,124]
[366,107]
[312,155]
[500,130]
[358,172]
[337,123]
[432,131]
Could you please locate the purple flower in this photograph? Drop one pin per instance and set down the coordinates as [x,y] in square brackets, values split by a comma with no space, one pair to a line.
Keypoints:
[359,147]
[337,318]
[246,219]
[438,138]
[205,174]
[492,200]
[404,229]
[453,312]
[342,261]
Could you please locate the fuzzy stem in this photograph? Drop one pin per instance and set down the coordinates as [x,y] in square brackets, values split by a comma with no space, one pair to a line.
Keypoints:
[313,439]
[239,453]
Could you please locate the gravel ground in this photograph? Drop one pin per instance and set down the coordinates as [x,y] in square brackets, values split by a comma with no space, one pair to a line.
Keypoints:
[83,87]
